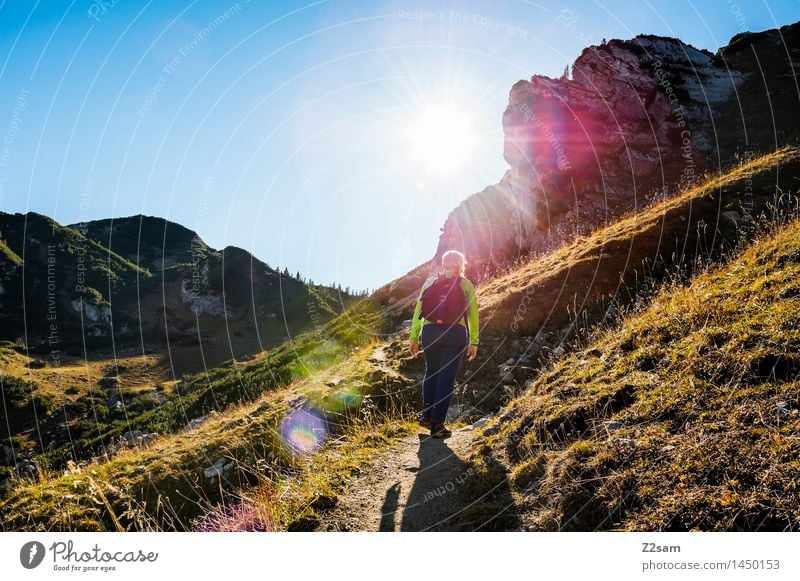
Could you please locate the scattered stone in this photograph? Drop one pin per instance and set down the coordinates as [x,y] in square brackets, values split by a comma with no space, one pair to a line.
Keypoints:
[218,469]
[490,430]
[783,407]
[668,448]
[480,423]
[196,422]
[506,374]
[297,402]
[138,437]
[27,469]
[335,380]
[732,216]
[612,426]
[559,351]
[456,412]
[506,417]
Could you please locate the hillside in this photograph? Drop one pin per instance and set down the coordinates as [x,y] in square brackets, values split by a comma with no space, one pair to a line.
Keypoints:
[684,417]
[114,314]
[322,383]
[152,243]
[94,281]
[60,270]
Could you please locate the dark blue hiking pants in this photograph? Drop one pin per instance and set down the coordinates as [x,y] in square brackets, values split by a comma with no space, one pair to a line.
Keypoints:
[444,347]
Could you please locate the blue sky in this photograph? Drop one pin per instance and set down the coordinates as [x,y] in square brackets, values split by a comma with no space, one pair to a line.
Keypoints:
[283,127]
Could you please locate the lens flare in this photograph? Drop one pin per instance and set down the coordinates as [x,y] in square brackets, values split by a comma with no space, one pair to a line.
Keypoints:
[303,431]
[343,401]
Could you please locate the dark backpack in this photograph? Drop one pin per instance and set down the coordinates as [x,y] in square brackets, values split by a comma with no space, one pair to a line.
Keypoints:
[444,300]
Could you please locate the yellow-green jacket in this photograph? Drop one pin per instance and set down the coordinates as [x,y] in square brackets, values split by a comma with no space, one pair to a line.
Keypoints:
[470,320]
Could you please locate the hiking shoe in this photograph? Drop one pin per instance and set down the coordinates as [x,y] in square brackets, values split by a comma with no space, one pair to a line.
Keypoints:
[440,431]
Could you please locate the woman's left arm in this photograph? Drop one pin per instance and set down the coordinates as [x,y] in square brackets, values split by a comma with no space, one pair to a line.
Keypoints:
[472,311]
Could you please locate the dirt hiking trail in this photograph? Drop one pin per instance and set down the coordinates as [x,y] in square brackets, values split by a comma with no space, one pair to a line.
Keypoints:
[416,485]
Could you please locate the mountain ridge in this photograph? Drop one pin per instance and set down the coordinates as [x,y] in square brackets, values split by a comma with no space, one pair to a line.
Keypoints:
[131,261]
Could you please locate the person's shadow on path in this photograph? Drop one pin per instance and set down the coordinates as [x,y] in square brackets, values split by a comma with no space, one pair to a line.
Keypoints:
[439,497]
[434,499]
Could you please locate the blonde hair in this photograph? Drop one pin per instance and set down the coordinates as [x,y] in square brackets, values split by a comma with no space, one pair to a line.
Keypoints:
[455,260]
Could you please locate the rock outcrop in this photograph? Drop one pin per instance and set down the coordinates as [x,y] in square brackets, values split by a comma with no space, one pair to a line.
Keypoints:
[634,121]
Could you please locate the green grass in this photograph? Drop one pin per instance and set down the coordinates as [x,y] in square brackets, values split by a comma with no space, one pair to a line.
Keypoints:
[161,486]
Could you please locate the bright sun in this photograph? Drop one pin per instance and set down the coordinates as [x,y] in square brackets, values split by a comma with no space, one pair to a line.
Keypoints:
[442,139]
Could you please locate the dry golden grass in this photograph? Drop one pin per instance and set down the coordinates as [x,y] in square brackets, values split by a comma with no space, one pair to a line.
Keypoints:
[685,417]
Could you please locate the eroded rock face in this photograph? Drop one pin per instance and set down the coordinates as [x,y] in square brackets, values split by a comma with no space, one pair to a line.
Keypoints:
[634,121]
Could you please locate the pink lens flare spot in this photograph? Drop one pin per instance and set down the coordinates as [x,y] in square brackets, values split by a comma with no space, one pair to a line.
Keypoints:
[303,431]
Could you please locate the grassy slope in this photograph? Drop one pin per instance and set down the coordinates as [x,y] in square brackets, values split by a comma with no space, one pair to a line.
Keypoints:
[616,252]
[161,486]
[703,392]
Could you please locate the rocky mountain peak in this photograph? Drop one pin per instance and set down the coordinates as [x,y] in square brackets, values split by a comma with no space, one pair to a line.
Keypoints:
[633,120]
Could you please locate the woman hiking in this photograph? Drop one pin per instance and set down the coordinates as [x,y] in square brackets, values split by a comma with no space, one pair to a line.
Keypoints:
[445,321]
